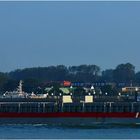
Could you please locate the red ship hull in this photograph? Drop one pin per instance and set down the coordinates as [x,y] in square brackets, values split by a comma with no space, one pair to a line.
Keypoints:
[73,118]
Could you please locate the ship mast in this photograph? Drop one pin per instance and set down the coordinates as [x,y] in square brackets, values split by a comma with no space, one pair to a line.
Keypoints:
[20,87]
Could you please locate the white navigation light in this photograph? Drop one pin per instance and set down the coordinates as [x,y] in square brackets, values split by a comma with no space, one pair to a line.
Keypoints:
[136,89]
[45,95]
[32,94]
[92,87]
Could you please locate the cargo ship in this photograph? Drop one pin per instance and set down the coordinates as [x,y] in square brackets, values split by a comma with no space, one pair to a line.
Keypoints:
[19,107]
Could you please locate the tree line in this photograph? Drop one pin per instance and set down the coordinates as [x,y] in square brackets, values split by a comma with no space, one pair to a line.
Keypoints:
[42,76]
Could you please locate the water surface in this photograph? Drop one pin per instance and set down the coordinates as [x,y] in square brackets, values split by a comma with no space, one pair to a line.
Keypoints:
[61,132]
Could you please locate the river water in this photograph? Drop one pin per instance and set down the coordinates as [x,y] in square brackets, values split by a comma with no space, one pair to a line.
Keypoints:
[54,132]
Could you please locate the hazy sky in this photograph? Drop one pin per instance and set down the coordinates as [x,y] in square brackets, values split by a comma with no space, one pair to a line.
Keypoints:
[70,33]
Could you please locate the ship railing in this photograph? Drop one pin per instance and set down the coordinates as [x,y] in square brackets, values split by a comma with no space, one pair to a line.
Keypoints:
[69,107]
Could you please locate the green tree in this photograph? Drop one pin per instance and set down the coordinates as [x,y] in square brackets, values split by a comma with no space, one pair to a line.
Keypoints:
[124,73]
[137,78]
[3,80]
[84,73]
[107,75]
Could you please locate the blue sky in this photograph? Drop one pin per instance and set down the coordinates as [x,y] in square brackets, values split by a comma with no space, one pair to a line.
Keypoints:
[36,34]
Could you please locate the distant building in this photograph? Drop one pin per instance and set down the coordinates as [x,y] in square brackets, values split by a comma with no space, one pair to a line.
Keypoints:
[66,83]
[130,89]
